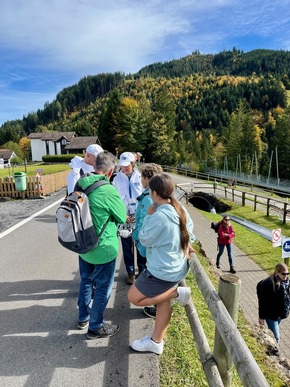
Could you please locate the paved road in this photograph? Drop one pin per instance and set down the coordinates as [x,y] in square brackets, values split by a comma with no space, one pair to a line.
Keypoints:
[40,345]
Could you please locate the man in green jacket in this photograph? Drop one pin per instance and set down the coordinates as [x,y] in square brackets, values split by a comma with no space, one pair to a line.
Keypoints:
[98,265]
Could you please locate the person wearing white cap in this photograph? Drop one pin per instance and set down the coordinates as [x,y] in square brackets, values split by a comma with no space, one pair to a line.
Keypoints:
[82,165]
[128,183]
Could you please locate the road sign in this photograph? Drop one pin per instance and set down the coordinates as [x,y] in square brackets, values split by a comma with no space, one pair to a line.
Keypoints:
[286,248]
[276,237]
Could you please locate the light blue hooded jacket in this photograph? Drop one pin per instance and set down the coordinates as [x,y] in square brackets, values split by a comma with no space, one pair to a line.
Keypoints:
[144,201]
[160,234]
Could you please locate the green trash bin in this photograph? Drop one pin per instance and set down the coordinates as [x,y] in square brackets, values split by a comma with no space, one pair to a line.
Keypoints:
[20,181]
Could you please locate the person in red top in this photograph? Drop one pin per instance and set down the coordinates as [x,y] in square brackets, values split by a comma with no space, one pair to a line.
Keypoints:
[226,233]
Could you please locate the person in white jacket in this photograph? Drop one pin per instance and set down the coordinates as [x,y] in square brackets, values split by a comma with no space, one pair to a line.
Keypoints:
[82,165]
[167,234]
[128,183]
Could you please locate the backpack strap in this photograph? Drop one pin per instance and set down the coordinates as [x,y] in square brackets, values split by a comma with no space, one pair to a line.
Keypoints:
[95,185]
[90,189]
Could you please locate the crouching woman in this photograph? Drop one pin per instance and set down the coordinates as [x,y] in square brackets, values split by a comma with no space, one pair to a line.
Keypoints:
[167,235]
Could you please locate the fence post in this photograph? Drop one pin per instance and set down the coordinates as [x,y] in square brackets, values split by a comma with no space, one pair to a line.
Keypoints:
[285,213]
[268,206]
[243,198]
[229,292]
[255,202]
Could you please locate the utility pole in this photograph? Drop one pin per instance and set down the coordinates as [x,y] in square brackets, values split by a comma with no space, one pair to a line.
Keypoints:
[278,180]
[270,166]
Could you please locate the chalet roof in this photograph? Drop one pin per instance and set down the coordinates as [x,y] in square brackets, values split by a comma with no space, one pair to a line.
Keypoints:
[52,136]
[5,154]
[82,142]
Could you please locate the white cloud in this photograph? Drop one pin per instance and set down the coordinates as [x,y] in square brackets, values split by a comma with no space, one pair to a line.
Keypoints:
[82,34]
[15,104]
[75,38]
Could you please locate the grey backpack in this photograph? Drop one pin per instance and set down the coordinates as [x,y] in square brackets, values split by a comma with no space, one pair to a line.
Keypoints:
[75,228]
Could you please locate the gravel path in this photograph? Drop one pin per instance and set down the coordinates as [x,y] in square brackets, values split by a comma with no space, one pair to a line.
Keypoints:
[13,211]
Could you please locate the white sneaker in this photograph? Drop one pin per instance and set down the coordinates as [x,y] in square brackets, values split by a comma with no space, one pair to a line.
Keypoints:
[147,345]
[183,295]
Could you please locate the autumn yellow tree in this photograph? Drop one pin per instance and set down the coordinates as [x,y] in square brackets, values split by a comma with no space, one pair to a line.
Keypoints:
[24,144]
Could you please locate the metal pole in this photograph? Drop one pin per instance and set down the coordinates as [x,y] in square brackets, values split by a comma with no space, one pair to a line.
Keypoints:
[277,166]
[252,166]
[256,160]
[270,166]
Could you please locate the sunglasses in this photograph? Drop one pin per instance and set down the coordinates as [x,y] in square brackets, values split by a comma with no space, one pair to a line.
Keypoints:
[284,273]
[227,220]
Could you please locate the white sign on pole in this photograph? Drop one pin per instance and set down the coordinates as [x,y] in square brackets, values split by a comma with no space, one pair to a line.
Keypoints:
[276,237]
[286,248]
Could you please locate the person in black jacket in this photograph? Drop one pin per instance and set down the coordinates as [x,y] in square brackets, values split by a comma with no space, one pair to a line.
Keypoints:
[274,300]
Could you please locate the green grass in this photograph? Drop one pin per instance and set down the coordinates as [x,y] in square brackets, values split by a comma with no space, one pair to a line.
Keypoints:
[180,364]
[31,170]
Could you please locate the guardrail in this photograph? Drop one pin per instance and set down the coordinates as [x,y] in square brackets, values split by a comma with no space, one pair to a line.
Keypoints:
[229,346]
[279,190]
[278,206]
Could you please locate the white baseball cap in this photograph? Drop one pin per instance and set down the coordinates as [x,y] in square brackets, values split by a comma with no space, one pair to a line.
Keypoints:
[94,149]
[125,159]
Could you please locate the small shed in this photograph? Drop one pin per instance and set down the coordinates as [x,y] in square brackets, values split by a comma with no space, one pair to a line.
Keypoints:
[7,155]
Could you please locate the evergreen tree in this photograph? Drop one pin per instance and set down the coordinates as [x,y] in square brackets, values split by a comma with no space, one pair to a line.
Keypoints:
[281,144]
[161,137]
[106,130]
[242,138]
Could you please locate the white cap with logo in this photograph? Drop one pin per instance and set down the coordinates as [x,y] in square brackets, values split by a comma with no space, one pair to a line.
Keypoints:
[125,159]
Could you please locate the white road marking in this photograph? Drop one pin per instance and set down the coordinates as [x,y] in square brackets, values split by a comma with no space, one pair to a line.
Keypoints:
[13,228]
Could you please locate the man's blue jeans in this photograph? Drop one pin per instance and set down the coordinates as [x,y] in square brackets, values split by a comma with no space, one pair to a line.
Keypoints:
[273,325]
[127,246]
[103,277]
[221,250]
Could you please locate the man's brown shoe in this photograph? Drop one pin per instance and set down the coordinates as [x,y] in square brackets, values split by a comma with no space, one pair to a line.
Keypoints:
[130,279]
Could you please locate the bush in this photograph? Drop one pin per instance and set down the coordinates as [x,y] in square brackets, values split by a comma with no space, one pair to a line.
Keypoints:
[16,161]
[59,158]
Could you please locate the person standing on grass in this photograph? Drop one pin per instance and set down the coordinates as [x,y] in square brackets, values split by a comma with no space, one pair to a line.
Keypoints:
[144,201]
[274,299]
[226,233]
[167,235]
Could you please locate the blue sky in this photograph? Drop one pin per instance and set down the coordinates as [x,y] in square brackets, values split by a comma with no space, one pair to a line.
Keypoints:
[46,45]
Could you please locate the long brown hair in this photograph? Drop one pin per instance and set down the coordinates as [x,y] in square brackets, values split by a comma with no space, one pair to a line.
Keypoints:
[163,185]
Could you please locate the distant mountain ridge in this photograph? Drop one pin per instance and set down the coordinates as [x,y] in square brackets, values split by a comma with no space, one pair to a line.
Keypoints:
[234,62]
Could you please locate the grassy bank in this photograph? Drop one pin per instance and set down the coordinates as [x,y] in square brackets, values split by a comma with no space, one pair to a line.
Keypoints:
[31,170]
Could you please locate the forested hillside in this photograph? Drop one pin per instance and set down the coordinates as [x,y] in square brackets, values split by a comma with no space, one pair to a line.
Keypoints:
[198,110]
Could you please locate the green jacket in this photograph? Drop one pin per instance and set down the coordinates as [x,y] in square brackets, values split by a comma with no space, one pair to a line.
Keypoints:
[105,201]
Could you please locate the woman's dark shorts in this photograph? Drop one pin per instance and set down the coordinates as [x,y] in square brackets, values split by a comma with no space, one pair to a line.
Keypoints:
[151,286]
